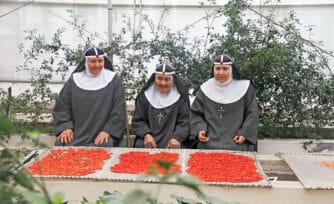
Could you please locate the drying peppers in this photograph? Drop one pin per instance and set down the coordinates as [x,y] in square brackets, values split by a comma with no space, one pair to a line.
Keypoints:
[327,164]
[137,162]
[70,162]
[223,167]
[207,166]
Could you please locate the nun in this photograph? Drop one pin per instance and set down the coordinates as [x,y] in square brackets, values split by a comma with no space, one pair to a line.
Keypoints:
[161,116]
[90,108]
[224,114]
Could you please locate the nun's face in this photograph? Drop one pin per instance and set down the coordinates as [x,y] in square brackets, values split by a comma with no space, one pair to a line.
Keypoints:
[222,72]
[164,82]
[95,65]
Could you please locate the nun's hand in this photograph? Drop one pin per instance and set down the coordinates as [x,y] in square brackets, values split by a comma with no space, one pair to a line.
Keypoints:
[149,141]
[174,144]
[239,139]
[102,137]
[202,136]
[66,136]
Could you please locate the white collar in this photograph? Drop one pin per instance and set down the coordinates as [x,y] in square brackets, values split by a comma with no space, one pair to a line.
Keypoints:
[87,81]
[225,94]
[161,100]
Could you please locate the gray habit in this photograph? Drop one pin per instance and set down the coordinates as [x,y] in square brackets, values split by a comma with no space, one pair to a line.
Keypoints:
[89,112]
[224,121]
[163,124]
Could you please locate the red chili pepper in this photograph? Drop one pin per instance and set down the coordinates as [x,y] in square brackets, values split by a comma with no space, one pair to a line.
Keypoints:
[209,167]
[223,167]
[70,162]
[129,162]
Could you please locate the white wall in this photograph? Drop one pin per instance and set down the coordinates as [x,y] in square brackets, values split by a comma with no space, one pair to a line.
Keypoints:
[179,2]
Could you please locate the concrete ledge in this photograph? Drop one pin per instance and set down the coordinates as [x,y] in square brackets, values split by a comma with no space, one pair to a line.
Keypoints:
[281,192]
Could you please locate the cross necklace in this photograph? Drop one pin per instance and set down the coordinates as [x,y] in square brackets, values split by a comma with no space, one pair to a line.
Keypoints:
[160,117]
[221,111]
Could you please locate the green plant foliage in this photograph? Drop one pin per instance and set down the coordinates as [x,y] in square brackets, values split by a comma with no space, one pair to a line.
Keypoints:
[44,60]
[17,185]
[191,183]
[294,85]
[139,196]
[183,200]
[165,165]
[288,72]
[22,178]
[114,197]
[206,199]
[5,127]
[129,54]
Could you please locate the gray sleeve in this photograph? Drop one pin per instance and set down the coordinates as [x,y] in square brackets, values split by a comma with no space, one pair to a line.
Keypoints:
[249,127]
[181,131]
[62,112]
[140,120]
[197,122]
[116,120]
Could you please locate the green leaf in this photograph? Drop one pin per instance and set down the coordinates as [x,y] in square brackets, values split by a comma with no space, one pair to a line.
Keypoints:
[166,165]
[34,133]
[35,197]
[5,126]
[182,200]
[191,183]
[114,197]
[6,154]
[23,178]
[152,170]
[84,200]
[139,197]
[166,177]
[58,198]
